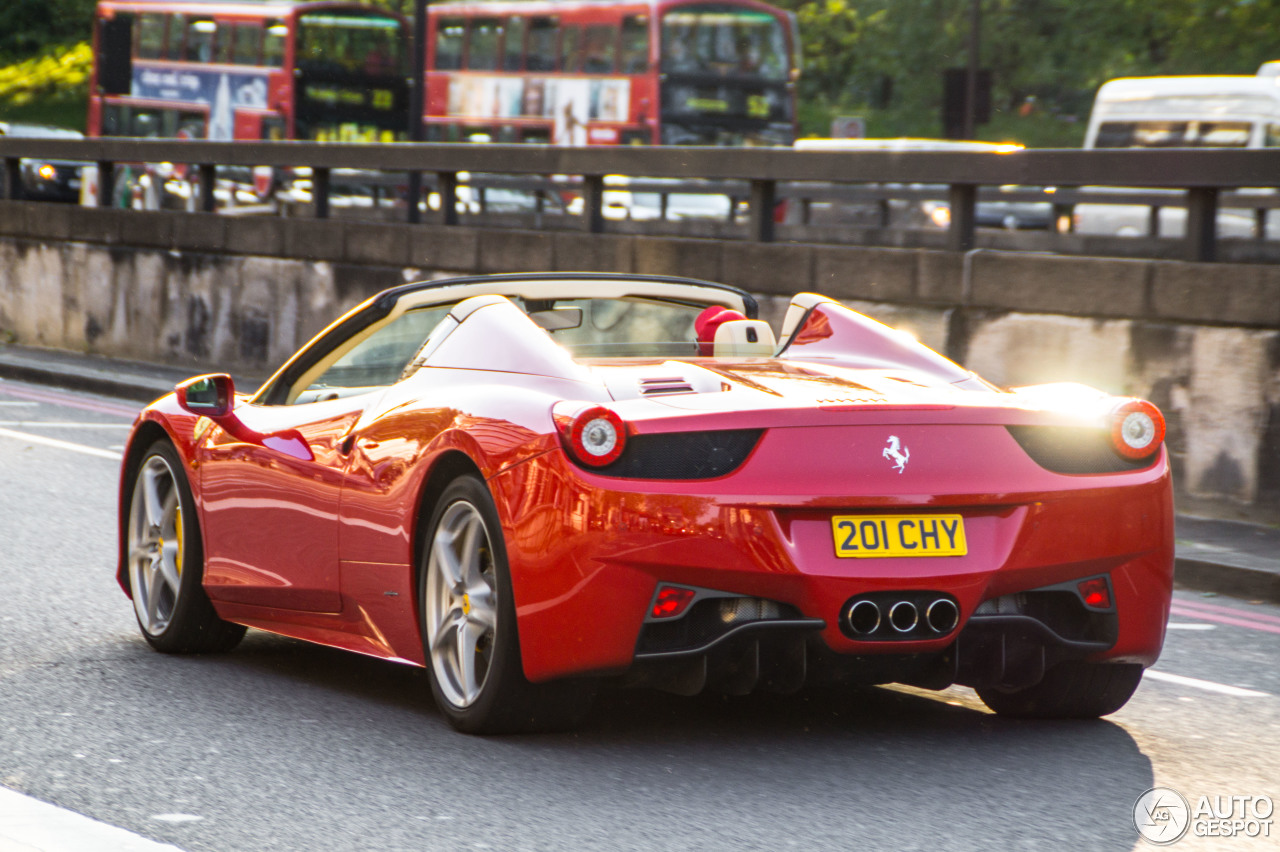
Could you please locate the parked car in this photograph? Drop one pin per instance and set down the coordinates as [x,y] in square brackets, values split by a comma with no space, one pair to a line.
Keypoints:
[535,484]
[45,179]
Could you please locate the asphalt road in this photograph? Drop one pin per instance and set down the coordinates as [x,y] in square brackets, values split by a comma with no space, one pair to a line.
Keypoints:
[283,746]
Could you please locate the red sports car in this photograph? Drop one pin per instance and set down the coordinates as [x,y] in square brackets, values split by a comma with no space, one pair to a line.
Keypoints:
[532,484]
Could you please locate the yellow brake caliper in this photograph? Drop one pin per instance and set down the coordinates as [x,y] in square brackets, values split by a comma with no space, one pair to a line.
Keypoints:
[177,528]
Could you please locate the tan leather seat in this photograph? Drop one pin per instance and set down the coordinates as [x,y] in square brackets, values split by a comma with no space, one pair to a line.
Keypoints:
[745,338]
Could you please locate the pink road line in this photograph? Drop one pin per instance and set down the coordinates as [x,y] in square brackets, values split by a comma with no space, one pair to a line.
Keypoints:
[1228,610]
[71,402]
[1222,619]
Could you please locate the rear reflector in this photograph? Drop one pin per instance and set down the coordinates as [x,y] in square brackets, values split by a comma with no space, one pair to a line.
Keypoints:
[1096,593]
[671,601]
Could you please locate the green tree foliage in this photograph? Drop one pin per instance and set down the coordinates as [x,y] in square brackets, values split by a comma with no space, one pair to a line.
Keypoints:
[28,27]
[885,58]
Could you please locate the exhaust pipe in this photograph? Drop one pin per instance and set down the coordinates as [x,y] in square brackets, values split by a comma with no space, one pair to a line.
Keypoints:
[863,618]
[942,616]
[903,616]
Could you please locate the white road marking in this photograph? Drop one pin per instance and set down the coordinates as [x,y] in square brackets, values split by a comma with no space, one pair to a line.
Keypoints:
[1207,685]
[30,825]
[61,445]
[1182,625]
[15,402]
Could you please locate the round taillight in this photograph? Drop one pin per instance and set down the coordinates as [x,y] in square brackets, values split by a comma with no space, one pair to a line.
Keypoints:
[597,436]
[1137,428]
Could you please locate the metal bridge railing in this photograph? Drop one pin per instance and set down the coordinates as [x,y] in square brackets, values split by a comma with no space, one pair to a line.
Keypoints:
[1201,181]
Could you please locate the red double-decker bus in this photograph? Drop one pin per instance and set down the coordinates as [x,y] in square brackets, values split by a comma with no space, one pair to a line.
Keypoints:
[249,69]
[597,72]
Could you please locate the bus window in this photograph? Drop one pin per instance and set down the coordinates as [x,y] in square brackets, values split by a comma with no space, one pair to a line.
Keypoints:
[150,36]
[199,46]
[190,125]
[542,45]
[222,53]
[273,44]
[355,43]
[1273,136]
[145,123]
[741,41]
[113,120]
[571,49]
[482,45]
[635,44]
[272,128]
[513,45]
[173,44]
[449,36]
[247,42]
[601,49]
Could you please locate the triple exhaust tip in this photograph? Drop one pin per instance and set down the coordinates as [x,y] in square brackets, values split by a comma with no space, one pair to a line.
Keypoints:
[940,617]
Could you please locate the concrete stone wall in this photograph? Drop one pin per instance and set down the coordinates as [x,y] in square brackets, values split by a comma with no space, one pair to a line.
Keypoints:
[1202,341]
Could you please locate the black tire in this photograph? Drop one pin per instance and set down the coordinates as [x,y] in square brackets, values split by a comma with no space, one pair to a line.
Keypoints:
[175,618]
[496,698]
[1070,690]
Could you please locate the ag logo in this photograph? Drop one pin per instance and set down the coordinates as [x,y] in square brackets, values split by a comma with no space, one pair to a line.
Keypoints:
[897,454]
[1161,816]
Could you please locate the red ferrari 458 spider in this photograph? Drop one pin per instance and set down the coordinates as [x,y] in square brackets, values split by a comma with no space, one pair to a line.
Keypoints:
[532,484]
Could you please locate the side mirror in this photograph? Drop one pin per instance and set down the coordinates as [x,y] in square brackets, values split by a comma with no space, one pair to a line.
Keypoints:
[207,396]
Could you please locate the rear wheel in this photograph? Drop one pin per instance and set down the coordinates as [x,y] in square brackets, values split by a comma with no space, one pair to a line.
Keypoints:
[468,625]
[1070,690]
[166,561]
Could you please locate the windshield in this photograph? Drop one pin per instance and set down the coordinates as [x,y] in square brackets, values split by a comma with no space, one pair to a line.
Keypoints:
[1173,134]
[368,45]
[723,40]
[351,86]
[618,328]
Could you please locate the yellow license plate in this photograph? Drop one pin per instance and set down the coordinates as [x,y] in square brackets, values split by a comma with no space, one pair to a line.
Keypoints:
[876,536]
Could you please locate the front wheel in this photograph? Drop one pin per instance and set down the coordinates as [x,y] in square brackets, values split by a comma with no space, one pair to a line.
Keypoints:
[468,625]
[1070,690]
[166,561]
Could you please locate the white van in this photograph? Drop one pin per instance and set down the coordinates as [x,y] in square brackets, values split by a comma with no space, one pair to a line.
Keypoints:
[1235,111]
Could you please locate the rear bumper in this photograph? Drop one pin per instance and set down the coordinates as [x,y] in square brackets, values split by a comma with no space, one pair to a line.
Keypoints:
[587,554]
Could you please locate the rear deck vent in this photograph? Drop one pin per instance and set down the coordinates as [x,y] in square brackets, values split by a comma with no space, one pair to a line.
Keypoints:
[665,385]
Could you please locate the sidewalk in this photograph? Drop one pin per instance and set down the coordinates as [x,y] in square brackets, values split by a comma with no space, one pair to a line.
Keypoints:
[1224,557]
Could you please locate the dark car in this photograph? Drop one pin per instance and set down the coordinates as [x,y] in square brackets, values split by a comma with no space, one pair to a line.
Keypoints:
[41,179]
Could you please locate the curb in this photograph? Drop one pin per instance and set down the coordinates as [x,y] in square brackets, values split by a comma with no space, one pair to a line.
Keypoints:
[1226,579]
[102,385]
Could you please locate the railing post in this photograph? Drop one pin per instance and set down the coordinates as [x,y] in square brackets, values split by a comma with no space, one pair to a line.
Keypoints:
[1260,223]
[1153,221]
[1202,224]
[763,199]
[415,197]
[962,235]
[447,187]
[208,183]
[320,192]
[12,177]
[106,182]
[593,203]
